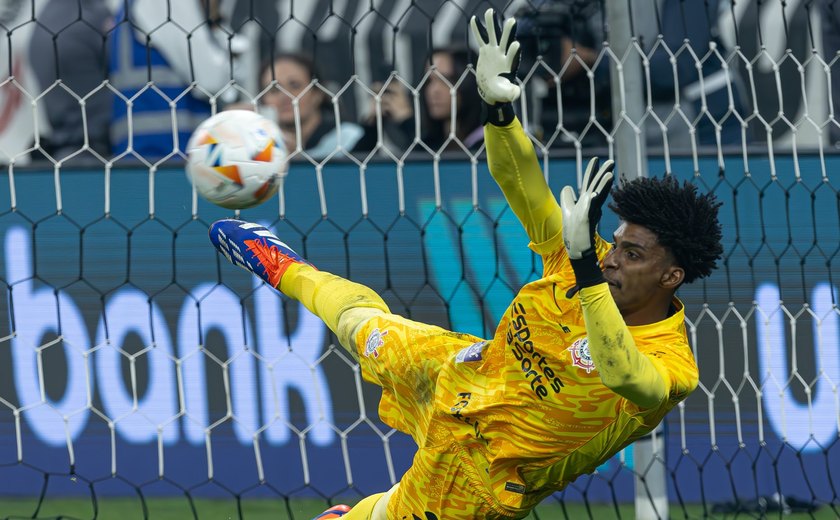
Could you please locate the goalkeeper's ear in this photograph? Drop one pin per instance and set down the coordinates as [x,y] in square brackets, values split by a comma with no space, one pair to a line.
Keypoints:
[672,277]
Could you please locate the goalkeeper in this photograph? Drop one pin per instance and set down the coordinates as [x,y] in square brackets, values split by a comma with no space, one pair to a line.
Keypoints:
[586,359]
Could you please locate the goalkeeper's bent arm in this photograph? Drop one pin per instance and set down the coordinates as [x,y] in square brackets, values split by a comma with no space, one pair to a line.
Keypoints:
[622,368]
[514,166]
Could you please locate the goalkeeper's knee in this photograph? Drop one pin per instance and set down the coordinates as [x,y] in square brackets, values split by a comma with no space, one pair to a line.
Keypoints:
[349,324]
[343,305]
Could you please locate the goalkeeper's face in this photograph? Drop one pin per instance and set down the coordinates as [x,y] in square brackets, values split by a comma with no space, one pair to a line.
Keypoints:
[641,273]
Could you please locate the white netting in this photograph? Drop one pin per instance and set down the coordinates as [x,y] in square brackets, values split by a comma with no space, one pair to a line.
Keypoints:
[138,366]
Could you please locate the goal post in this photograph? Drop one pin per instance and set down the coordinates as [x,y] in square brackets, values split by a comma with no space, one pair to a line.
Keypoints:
[627,90]
[141,374]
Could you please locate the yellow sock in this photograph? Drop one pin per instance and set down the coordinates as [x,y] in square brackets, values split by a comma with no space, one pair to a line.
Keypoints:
[330,297]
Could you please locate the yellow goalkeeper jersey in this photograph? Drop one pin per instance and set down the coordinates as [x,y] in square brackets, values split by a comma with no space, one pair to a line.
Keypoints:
[544,417]
[501,424]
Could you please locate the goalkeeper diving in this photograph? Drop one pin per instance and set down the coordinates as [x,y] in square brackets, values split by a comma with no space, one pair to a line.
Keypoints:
[585,360]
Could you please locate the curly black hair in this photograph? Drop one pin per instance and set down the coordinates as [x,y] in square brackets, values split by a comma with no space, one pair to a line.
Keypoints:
[684,221]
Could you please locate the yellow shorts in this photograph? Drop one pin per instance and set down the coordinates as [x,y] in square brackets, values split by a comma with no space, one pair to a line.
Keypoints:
[405,358]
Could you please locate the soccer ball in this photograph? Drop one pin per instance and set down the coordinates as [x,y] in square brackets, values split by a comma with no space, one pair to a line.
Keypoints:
[236,159]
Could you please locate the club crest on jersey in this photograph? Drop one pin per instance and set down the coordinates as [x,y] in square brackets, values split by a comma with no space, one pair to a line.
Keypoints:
[471,353]
[374,341]
[580,355]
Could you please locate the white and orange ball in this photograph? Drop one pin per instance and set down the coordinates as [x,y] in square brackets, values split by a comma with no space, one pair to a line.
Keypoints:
[236,159]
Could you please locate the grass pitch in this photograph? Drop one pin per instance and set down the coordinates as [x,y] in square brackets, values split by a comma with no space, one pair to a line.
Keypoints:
[298,509]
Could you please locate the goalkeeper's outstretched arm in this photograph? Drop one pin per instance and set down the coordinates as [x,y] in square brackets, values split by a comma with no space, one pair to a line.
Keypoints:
[510,155]
[622,368]
[514,166]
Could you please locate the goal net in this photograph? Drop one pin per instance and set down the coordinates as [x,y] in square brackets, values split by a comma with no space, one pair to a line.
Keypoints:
[143,376]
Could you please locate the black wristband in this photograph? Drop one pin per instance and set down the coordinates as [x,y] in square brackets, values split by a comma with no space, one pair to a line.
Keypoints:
[500,114]
[587,270]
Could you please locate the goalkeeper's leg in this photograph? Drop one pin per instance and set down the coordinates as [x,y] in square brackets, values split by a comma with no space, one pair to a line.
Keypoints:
[343,305]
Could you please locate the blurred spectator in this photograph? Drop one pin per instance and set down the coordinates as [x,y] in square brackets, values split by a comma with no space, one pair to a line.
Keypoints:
[552,28]
[320,136]
[18,117]
[567,37]
[397,110]
[830,11]
[450,66]
[170,44]
[69,43]
[694,24]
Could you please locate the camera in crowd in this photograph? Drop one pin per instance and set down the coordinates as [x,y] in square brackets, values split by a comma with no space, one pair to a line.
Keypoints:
[560,39]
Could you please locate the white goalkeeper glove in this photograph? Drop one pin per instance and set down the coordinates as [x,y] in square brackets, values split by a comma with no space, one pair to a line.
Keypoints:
[498,59]
[580,220]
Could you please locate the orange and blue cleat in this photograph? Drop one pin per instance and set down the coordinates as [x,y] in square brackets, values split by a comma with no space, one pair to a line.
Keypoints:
[255,248]
[333,512]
